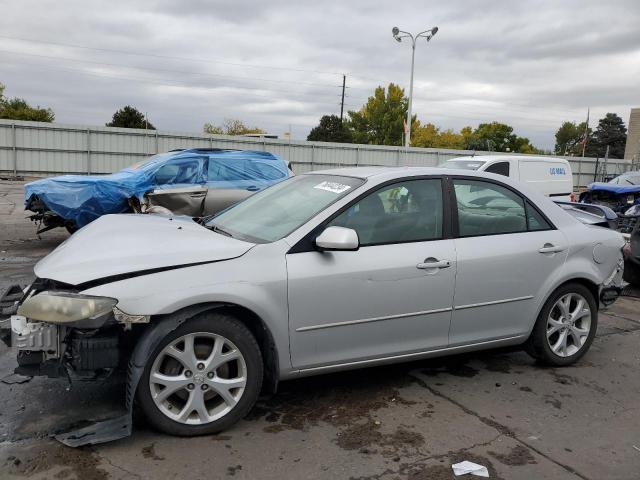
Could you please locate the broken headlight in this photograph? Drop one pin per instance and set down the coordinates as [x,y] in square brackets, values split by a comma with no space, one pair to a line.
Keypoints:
[64,307]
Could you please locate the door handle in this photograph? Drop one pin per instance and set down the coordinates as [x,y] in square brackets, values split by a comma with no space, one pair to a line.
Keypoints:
[253,188]
[433,263]
[551,248]
[197,195]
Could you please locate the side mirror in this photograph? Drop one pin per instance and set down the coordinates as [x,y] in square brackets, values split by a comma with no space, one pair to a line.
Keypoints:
[338,238]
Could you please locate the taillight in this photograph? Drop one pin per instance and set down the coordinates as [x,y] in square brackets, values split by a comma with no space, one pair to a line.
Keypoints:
[572,197]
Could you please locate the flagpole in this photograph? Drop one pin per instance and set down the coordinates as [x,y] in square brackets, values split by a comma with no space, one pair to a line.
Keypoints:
[586,134]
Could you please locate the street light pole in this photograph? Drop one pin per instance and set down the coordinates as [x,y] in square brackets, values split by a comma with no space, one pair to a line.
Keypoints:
[399,35]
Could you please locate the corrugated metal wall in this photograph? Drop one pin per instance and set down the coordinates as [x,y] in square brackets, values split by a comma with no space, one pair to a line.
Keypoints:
[34,148]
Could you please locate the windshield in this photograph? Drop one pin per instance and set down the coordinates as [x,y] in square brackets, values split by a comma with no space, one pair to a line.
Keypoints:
[627,179]
[463,164]
[277,211]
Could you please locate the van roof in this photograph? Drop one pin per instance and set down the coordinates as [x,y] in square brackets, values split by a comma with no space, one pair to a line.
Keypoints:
[526,158]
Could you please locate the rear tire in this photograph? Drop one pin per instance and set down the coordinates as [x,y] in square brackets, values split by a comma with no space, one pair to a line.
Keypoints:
[565,327]
[197,363]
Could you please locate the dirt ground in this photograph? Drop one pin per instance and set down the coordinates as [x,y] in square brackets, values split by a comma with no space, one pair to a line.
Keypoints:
[409,421]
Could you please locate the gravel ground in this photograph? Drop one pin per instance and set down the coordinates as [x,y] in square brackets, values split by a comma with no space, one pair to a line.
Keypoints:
[409,421]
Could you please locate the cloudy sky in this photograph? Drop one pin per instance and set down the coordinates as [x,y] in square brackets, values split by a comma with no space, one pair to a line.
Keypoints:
[532,64]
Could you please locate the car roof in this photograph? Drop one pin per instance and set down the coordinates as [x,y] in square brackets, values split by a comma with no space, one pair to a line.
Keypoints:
[395,172]
[527,158]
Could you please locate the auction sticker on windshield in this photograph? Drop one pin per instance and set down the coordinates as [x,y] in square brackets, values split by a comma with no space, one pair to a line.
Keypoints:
[333,187]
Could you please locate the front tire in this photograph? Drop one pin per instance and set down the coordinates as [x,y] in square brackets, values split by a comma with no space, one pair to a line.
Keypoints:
[203,377]
[565,327]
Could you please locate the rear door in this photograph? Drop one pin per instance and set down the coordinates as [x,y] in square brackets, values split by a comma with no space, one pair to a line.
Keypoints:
[507,254]
[179,185]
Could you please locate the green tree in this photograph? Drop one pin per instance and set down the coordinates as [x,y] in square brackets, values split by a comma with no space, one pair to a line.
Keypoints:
[498,137]
[430,136]
[330,129]
[569,138]
[19,109]
[381,120]
[130,117]
[230,126]
[610,132]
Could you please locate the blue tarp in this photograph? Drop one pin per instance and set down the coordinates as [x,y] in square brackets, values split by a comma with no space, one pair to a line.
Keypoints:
[614,188]
[85,198]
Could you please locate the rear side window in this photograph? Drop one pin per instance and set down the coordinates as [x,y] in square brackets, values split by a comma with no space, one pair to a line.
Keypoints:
[500,168]
[488,209]
[535,221]
[485,208]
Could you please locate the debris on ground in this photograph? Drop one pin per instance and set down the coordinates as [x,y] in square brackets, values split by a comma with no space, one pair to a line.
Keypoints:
[466,468]
[14,378]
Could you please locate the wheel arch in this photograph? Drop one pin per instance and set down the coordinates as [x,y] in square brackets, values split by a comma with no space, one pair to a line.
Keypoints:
[582,280]
[161,325]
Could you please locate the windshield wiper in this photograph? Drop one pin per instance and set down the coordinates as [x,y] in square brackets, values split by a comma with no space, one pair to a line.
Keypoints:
[221,230]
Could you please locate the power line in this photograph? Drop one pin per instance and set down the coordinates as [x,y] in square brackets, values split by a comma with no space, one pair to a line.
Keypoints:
[217,75]
[170,57]
[250,91]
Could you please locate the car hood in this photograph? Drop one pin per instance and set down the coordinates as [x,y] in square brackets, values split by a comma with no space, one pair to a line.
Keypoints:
[122,244]
[614,188]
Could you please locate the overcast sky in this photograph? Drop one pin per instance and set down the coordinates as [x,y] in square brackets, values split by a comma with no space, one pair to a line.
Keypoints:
[531,64]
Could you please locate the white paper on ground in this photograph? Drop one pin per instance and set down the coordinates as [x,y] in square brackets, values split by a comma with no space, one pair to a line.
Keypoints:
[464,468]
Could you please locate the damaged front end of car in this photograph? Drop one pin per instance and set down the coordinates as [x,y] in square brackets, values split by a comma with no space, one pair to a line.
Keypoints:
[60,333]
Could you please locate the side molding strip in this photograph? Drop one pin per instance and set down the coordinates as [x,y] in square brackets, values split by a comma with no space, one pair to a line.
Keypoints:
[411,314]
[373,319]
[496,302]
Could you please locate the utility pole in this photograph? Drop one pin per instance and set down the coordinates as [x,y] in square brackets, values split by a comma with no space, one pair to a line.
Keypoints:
[344,83]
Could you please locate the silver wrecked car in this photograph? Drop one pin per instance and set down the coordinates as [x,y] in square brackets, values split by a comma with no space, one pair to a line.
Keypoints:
[325,271]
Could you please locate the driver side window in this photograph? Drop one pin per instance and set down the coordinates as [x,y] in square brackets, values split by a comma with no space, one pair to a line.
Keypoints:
[407,211]
[180,171]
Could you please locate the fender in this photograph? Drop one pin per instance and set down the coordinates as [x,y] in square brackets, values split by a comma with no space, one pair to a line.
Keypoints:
[121,427]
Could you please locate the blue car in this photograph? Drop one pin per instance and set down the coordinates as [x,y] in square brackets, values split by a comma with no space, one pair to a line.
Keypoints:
[195,182]
[619,194]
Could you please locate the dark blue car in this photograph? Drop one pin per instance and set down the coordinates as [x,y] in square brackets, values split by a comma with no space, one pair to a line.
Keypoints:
[619,194]
[195,182]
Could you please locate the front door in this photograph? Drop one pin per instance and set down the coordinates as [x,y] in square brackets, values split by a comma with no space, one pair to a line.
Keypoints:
[391,297]
[507,255]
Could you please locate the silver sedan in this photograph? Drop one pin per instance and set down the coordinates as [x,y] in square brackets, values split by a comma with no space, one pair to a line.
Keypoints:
[325,271]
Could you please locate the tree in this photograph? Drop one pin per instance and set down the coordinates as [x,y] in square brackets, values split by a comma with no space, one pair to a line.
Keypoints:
[381,120]
[330,129]
[610,132]
[130,117]
[498,137]
[430,136]
[19,109]
[230,126]
[569,138]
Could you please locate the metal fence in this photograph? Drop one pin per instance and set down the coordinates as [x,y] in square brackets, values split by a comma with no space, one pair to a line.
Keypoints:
[42,149]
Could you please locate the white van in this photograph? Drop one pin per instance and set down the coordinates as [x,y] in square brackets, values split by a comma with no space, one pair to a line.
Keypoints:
[549,175]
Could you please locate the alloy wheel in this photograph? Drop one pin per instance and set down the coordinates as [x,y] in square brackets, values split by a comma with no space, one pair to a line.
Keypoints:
[568,324]
[198,378]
